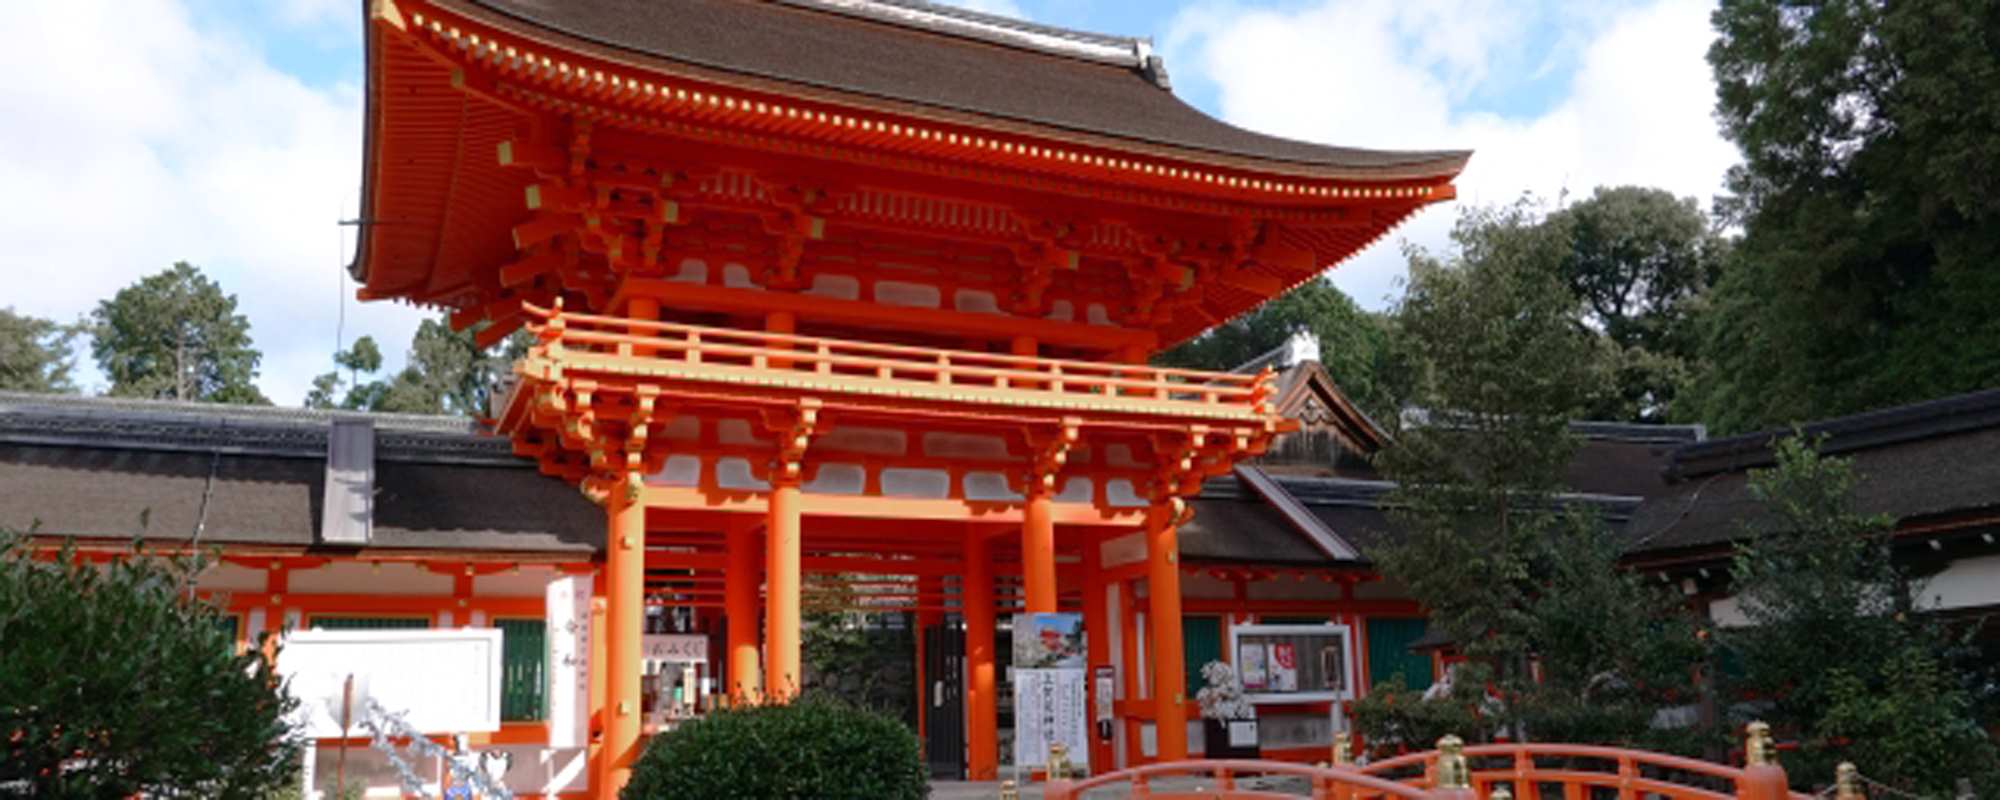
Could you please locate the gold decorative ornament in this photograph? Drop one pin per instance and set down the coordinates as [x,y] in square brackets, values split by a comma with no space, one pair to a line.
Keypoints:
[1757,747]
[1452,771]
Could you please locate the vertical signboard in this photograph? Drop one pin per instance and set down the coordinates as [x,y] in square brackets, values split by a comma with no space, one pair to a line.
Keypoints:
[568,619]
[1051,689]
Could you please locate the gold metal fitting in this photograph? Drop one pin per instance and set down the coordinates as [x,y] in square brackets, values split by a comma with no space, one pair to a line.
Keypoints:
[1058,767]
[1757,747]
[1008,792]
[1343,749]
[1500,792]
[1847,782]
[1452,771]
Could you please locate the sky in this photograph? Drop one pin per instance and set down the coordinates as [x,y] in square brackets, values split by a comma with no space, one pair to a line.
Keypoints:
[227,133]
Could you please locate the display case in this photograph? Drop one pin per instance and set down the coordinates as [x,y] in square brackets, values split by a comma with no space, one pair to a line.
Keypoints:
[1295,663]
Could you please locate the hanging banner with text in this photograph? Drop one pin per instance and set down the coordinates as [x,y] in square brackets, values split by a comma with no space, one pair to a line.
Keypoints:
[1050,706]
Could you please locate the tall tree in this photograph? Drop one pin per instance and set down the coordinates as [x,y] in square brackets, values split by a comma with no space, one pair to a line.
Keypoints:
[1499,365]
[1869,196]
[446,372]
[1353,343]
[35,354]
[1836,647]
[1639,260]
[176,335]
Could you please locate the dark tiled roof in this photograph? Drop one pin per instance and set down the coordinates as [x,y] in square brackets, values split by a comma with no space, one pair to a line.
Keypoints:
[1912,462]
[96,467]
[946,65]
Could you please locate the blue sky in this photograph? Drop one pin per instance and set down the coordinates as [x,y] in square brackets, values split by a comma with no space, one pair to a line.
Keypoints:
[227,132]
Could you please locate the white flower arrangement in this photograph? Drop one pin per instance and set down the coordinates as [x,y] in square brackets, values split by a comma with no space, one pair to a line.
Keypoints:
[1222,698]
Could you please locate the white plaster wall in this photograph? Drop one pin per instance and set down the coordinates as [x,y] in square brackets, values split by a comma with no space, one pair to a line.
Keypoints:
[352,577]
[1967,583]
[225,577]
[1285,587]
[523,582]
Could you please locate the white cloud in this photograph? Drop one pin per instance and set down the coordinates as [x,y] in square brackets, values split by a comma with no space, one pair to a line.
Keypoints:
[1388,74]
[136,138]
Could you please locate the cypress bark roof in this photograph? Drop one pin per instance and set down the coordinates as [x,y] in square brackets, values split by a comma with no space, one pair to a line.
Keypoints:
[949,59]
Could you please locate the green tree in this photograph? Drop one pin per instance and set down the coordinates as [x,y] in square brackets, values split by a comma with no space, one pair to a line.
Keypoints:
[35,354]
[1353,343]
[116,682]
[1499,365]
[1835,647]
[1869,197]
[1640,261]
[176,335]
[446,372]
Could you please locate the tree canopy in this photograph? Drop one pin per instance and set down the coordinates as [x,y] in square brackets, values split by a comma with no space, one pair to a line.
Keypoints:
[176,335]
[1507,569]
[1639,261]
[446,373]
[115,681]
[1353,343]
[1869,198]
[36,354]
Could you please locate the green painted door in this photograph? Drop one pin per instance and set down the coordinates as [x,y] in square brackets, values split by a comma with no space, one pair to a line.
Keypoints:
[1201,642]
[523,669]
[1389,641]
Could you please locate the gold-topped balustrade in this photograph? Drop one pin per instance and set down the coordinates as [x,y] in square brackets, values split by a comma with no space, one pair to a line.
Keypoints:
[571,342]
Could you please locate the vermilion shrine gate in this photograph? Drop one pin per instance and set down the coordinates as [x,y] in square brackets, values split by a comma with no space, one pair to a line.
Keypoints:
[852,289]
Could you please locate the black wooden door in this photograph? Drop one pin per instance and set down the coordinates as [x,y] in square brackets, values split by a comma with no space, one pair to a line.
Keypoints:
[944,727]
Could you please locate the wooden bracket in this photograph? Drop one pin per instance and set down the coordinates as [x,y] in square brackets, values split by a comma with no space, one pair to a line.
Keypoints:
[795,429]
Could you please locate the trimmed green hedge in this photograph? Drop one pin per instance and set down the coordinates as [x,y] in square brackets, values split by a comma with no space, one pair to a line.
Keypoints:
[813,748]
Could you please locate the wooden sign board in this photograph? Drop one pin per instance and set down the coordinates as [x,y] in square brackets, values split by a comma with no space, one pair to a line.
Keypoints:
[443,681]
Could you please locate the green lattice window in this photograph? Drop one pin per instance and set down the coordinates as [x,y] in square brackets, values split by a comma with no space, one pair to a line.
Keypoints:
[523,669]
[1389,653]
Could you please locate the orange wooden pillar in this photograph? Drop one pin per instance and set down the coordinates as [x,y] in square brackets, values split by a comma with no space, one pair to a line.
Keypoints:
[1163,614]
[625,612]
[739,589]
[1128,653]
[1097,635]
[1038,550]
[982,712]
[781,592]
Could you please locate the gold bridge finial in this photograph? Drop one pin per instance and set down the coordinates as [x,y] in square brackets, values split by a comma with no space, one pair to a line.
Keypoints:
[1343,749]
[1452,772]
[1500,792]
[1757,747]
[1008,792]
[1058,768]
[1847,782]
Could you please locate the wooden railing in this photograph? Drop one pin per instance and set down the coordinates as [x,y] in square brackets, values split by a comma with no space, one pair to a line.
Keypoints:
[1456,772]
[1324,783]
[620,344]
[1579,771]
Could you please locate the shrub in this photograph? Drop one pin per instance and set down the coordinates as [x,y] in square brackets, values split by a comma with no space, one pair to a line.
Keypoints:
[116,682]
[811,748]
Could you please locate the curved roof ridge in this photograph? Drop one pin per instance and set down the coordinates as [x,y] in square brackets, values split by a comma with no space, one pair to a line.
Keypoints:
[1127,51]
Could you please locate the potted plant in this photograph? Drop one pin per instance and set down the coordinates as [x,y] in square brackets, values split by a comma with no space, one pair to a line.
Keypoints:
[1228,720]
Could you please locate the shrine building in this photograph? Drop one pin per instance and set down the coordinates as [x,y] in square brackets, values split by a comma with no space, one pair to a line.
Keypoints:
[853,288]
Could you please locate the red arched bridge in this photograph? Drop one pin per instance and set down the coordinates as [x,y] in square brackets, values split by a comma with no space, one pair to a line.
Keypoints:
[1457,772]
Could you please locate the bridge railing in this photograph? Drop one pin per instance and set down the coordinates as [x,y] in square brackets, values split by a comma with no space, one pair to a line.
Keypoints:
[1456,772]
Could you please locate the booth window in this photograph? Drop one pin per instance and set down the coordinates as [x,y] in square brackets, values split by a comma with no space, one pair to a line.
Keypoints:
[523,669]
